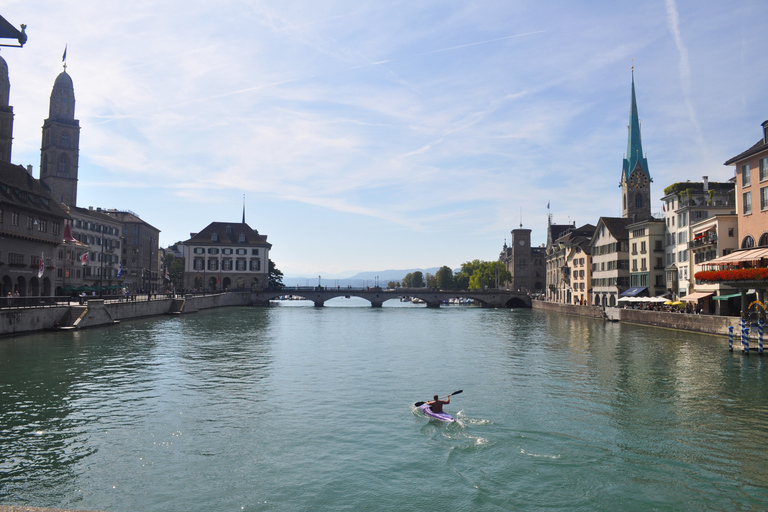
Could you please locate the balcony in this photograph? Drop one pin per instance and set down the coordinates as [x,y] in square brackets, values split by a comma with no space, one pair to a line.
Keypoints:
[703,242]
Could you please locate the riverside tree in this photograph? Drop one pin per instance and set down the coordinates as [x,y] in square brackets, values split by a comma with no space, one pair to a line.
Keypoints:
[444,278]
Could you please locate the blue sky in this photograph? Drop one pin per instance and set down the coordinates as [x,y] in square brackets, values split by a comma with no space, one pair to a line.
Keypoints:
[378,135]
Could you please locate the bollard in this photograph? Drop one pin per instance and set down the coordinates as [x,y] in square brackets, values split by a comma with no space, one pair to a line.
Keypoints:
[730,338]
[746,341]
[760,336]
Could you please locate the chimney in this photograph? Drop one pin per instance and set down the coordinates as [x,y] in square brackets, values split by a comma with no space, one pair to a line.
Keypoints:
[765,132]
[705,179]
[29,169]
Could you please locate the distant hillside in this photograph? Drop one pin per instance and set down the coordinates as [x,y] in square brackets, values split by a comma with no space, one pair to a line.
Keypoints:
[360,279]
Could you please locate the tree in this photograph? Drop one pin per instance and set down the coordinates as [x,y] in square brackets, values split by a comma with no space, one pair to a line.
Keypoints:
[393,285]
[444,278]
[275,277]
[477,275]
[175,268]
[431,281]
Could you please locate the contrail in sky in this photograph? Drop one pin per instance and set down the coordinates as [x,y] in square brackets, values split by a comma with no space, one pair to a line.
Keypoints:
[307,77]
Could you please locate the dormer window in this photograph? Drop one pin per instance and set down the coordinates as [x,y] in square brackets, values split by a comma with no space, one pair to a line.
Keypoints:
[214,237]
[241,238]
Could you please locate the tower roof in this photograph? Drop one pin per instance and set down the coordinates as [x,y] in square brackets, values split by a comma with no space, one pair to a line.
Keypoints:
[634,156]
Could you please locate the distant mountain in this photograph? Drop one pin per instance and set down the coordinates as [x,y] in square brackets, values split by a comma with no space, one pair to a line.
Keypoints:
[367,278]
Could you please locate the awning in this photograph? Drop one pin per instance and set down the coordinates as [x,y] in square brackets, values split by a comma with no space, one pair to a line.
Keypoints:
[726,297]
[634,291]
[695,296]
[739,256]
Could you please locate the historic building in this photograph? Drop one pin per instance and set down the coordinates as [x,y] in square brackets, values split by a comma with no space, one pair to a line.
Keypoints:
[752,192]
[713,237]
[635,176]
[226,256]
[102,234]
[686,204]
[61,142]
[647,276]
[524,262]
[568,255]
[31,228]
[610,260]
[140,255]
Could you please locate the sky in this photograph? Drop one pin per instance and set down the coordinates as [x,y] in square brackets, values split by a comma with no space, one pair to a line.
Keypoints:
[380,135]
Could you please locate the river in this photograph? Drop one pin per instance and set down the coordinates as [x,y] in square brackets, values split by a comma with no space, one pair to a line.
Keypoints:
[299,408]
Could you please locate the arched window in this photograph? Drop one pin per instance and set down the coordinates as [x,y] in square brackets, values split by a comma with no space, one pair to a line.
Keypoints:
[638,201]
[62,169]
[748,242]
[763,240]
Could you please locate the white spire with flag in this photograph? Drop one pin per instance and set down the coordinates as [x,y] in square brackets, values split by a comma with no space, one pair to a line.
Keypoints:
[64,57]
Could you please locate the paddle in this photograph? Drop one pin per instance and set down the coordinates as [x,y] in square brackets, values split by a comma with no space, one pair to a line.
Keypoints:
[419,404]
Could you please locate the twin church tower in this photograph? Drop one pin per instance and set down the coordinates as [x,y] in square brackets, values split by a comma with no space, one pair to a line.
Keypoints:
[61,137]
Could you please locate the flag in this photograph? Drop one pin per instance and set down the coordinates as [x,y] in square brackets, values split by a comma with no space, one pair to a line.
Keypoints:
[84,258]
[64,57]
[40,267]
[120,271]
[167,277]
[662,208]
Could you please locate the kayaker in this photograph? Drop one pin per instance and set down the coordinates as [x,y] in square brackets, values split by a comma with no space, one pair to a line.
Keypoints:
[437,405]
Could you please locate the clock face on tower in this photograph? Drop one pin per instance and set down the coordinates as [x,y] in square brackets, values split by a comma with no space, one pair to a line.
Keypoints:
[638,179]
[521,242]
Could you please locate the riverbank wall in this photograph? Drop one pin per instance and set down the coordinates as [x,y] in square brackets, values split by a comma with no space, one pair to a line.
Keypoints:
[708,324]
[98,312]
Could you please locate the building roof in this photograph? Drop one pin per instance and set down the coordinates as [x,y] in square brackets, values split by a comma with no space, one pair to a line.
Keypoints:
[617,226]
[19,188]
[228,234]
[761,145]
[126,216]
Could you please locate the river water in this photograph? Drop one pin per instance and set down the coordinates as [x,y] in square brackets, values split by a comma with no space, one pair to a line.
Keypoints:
[310,409]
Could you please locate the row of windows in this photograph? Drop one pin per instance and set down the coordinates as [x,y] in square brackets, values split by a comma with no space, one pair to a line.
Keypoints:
[227,264]
[98,228]
[747,201]
[611,265]
[225,251]
[32,223]
[746,173]
[610,281]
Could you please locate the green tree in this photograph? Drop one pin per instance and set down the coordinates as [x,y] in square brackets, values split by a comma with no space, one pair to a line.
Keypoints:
[477,275]
[393,285]
[275,277]
[431,281]
[175,268]
[444,278]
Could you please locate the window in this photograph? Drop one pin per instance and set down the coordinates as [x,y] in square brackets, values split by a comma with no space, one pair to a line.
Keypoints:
[214,237]
[199,250]
[764,198]
[255,265]
[42,225]
[747,208]
[226,251]
[30,222]
[213,264]
[240,264]
[745,178]
[62,169]
[55,227]
[730,232]
[642,248]
[213,250]
[748,242]
[638,201]
[198,264]
[241,251]
[65,139]
[254,252]
[241,238]
[763,168]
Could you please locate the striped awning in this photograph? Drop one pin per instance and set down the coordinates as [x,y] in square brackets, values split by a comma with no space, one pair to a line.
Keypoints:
[695,296]
[748,255]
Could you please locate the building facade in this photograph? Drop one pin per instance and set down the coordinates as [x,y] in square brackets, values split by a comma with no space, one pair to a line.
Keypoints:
[31,228]
[226,256]
[752,193]
[610,261]
[103,235]
[646,254]
[686,204]
[524,262]
[139,253]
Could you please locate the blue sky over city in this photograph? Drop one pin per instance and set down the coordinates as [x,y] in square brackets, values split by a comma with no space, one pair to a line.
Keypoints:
[380,135]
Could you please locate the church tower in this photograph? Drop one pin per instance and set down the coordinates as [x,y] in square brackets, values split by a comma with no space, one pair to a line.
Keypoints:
[6,114]
[61,142]
[635,177]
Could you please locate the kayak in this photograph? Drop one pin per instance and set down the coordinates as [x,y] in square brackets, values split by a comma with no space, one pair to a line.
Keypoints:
[442,416]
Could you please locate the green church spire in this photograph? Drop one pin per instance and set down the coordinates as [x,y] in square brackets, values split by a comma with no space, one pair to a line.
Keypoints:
[634,156]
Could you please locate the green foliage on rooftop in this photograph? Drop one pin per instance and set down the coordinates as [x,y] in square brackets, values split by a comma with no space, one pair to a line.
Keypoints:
[689,187]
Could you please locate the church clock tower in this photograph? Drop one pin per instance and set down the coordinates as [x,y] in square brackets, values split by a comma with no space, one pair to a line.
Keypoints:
[61,143]
[635,177]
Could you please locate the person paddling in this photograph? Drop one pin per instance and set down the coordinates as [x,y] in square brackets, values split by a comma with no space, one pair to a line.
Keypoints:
[437,405]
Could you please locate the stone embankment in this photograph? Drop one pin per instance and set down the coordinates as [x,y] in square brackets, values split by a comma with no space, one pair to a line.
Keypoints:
[708,324]
[98,312]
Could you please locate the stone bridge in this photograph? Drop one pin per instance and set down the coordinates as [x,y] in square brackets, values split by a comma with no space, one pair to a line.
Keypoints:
[377,296]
